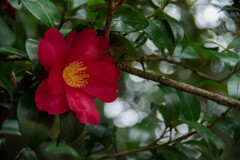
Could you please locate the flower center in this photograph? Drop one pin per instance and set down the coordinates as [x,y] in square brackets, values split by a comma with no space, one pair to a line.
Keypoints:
[74,74]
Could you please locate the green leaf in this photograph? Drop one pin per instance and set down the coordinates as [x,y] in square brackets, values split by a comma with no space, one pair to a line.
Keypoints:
[61,149]
[171,110]
[99,137]
[96,5]
[133,36]
[159,3]
[81,13]
[189,105]
[229,58]
[44,10]
[10,127]
[72,4]
[6,68]
[176,27]
[235,43]
[207,134]
[6,50]
[26,154]
[213,110]
[33,123]
[32,51]
[126,19]
[7,35]
[160,33]
[213,84]
[70,127]
[4,83]
[230,127]
[172,153]
[233,86]
[229,8]
[189,52]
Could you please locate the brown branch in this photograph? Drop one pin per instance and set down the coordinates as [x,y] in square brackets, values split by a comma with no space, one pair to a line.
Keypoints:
[118,4]
[196,71]
[153,147]
[181,86]
[115,145]
[14,58]
[112,7]
[110,14]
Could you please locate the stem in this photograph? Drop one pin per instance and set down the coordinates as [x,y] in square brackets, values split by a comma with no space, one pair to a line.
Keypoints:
[165,144]
[196,71]
[181,86]
[110,14]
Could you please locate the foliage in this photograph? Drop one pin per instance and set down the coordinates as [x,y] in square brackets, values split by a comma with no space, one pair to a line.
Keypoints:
[149,120]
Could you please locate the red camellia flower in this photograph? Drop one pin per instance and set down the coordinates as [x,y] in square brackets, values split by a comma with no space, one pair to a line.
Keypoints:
[78,71]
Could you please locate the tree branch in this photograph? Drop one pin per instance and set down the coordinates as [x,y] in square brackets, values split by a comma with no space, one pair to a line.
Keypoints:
[196,71]
[153,147]
[119,3]
[110,14]
[181,86]
[112,7]
[14,58]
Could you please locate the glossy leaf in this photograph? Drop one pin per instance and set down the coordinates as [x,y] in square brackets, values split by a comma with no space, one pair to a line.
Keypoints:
[233,86]
[160,33]
[235,43]
[6,68]
[159,3]
[230,8]
[7,35]
[99,137]
[176,27]
[172,153]
[189,105]
[4,83]
[61,149]
[81,13]
[133,37]
[44,10]
[207,134]
[26,154]
[126,19]
[10,127]
[189,52]
[214,84]
[6,50]
[230,127]
[213,110]
[171,110]
[72,4]
[70,127]
[230,59]
[33,123]
[32,51]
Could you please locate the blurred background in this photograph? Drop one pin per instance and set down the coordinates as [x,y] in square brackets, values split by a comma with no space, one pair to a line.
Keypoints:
[203,21]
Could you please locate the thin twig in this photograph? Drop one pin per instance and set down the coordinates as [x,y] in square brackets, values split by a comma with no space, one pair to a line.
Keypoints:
[196,71]
[115,145]
[14,58]
[181,86]
[110,14]
[165,144]
[118,4]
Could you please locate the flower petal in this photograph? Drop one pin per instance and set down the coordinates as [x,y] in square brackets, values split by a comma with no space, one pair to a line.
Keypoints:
[69,40]
[55,80]
[53,104]
[104,72]
[87,47]
[51,48]
[83,106]
[76,100]
[108,59]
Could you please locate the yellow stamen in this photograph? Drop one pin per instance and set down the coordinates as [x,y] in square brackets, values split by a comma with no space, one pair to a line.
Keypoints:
[74,74]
